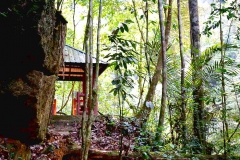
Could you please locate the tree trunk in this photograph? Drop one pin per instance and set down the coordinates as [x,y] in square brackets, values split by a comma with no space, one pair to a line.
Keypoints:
[183,96]
[145,111]
[170,108]
[164,73]
[198,121]
[84,125]
[146,43]
[223,92]
[90,105]
[144,39]
[74,23]
[93,87]
[59,5]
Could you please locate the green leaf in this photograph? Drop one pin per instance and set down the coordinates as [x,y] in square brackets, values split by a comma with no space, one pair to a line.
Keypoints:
[115,92]
[124,64]
[172,146]
[145,155]
[112,90]
[152,22]
[133,45]
[175,26]
[125,27]
[115,81]
[220,70]
[3,14]
[121,28]
[129,21]
[164,155]
[117,67]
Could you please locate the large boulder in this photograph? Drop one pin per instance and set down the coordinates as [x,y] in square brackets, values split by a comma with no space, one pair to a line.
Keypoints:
[31,45]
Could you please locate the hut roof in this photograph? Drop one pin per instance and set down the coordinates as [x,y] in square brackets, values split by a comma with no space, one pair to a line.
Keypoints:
[74,65]
[73,55]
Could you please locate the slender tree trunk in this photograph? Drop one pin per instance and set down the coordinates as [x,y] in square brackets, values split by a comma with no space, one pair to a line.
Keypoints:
[68,97]
[98,45]
[74,23]
[93,87]
[183,99]
[120,104]
[146,43]
[141,81]
[86,47]
[169,22]
[145,111]
[223,93]
[198,121]
[144,39]
[90,106]
[86,34]
[59,4]
[170,108]
[63,93]
[83,132]
[164,72]
[73,42]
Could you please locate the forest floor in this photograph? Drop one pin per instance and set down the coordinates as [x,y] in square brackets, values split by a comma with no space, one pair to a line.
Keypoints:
[62,139]
[62,142]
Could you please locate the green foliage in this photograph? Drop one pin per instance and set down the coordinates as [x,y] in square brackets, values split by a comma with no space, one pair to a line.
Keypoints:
[213,22]
[121,57]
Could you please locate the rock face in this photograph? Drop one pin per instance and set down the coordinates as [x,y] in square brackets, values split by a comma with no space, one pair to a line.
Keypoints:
[31,45]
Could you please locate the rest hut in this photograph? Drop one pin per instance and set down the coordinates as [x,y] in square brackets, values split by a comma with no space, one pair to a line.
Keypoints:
[73,69]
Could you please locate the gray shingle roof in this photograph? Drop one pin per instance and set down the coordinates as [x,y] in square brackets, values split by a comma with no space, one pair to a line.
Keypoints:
[73,55]
[74,65]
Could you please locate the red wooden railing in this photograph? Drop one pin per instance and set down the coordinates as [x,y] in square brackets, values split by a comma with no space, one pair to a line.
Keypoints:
[77,105]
